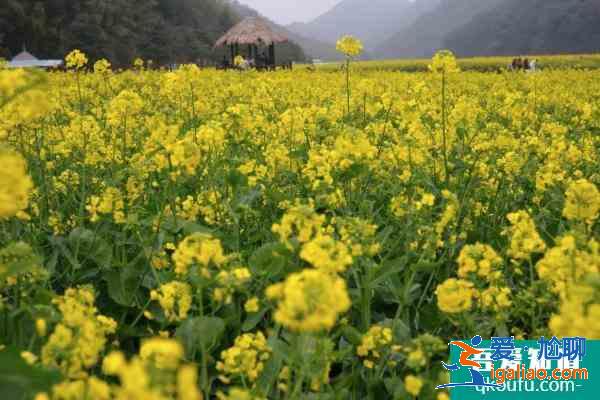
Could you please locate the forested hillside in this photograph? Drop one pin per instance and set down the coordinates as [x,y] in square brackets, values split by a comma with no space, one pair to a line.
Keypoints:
[166,31]
[532,26]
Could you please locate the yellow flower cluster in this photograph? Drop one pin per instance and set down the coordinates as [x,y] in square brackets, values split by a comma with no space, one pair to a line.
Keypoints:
[479,261]
[245,359]
[413,385]
[524,238]
[579,312]
[495,298]
[572,269]
[24,101]
[349,45]
[175,298]
[91,388]
[444,62]
[228,282]
[77,341]
[111,202]
[237,393]
[15,185]
[358,234]
[326,253]
[479,270]
[102,66]
[309,301]
[300,222]
[455,295]
[568,262]
[374,344]
[201,250]
[422,349]
[157,373]
[76,59]
[252,305]
[582,201]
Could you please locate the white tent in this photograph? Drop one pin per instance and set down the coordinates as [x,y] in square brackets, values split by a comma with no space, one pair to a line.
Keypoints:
[27,60]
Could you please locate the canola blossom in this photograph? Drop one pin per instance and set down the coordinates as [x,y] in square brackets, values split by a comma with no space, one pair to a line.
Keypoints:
[196,234]
[349,45]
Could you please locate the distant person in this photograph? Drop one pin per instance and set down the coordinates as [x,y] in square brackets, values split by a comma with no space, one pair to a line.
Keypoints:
[526,64]
[519,63]
[533,65]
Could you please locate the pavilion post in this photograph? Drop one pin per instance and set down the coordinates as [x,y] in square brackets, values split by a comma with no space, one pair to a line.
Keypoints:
[272,55]
[232,54]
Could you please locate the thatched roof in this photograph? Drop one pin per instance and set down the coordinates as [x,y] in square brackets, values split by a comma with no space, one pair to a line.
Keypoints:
[252,30]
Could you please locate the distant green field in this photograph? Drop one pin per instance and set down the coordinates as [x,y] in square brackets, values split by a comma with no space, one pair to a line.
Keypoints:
[484,64]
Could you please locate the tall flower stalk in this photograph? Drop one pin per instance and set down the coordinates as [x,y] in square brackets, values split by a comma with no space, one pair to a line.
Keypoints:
[350,47]
[444,63]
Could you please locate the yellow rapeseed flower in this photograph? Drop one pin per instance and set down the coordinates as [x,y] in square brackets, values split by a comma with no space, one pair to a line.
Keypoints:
[76,59]
[582,201]
[455,296]
[310,300]
[15,184]
[349,45]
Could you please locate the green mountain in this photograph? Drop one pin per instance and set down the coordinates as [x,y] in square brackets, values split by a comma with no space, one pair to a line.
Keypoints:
[428,32]
[370,20]
[166,31]
[530,27]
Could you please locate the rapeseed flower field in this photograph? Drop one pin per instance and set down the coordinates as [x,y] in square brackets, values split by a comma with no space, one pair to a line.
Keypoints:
[202,234]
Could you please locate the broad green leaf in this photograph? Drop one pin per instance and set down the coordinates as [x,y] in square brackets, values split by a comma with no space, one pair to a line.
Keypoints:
[89,246]
[19,380]
[271,260]
[122,284]
[253,319]
[17,258]
[200,333]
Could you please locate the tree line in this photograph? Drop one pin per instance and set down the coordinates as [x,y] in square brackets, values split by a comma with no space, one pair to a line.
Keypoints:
[165,31]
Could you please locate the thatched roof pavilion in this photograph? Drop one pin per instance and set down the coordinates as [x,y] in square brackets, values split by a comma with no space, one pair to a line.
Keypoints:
[253,32]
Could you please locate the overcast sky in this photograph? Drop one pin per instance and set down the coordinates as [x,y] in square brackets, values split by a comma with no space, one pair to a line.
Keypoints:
[287,11]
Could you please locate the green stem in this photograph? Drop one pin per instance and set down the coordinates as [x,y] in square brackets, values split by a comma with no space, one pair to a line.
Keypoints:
[348,83]
[446,169]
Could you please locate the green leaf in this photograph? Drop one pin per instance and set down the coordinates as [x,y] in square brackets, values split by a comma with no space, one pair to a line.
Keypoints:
[271,260]
[190,227]
[201,333]
[395,387]
[20,380]
[235,179]
[123,284]
[268,377]
[352,334]
[401,330]
[253,319]
[89,246]
[17,258]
